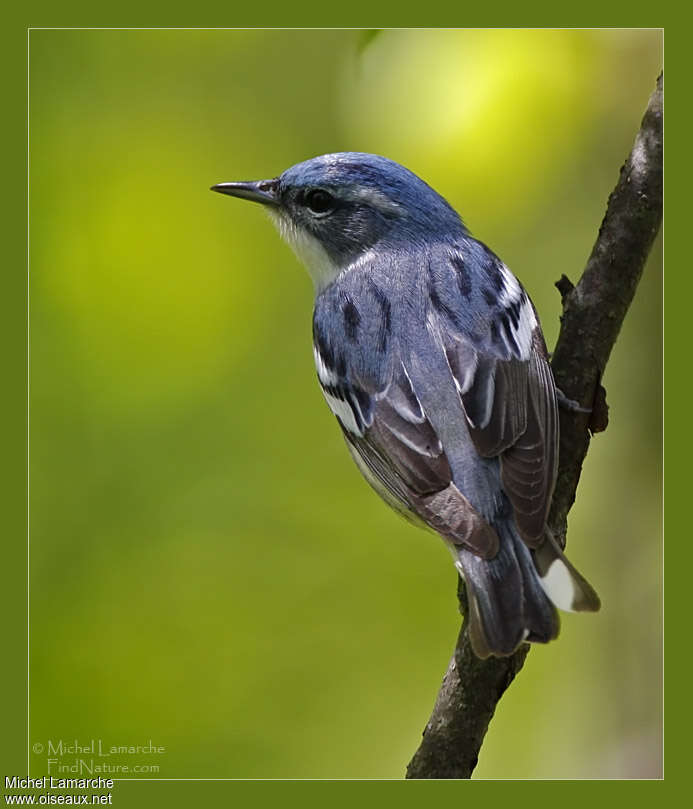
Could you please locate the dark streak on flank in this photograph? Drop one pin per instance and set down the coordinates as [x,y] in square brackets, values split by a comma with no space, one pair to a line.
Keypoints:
[464,281]
[364,403]
[441,306]
[337,392]
[439,303]
[490,296]
[386,320]
[494,331]
[358,401]
[352,320]
[514,313]
[334,391]
[493,273]
[323,348]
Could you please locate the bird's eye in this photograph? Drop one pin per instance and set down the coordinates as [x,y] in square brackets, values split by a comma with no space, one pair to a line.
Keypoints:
[320,202]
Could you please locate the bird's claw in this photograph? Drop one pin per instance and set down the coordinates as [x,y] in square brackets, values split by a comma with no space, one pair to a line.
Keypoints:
[570,404]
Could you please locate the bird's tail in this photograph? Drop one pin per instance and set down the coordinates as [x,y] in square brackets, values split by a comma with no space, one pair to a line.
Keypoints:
[513,597]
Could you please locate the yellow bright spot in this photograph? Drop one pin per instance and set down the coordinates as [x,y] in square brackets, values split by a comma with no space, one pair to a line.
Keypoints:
[140,269]
[493,113]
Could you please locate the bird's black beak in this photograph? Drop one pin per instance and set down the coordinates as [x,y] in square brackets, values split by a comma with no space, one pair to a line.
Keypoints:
[264,191]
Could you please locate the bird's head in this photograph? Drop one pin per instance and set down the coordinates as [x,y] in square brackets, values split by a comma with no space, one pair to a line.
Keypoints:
[336,208]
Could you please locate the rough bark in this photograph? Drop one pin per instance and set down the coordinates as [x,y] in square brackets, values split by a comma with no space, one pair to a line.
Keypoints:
[593,312]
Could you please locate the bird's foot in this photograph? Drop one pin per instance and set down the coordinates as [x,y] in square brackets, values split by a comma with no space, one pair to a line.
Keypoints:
[570,404]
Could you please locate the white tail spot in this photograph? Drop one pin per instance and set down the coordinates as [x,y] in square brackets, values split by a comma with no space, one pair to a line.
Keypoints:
[559,586]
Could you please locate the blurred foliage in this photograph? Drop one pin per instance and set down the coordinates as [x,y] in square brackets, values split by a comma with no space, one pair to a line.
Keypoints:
[208,569]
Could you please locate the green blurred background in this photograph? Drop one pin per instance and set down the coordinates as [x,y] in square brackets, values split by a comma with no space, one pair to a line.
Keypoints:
[208,569]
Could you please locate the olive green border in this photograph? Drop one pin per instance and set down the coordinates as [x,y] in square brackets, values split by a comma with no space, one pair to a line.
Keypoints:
[13,746]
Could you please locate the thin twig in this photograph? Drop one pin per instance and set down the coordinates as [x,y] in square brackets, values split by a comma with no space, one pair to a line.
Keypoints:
[593,312]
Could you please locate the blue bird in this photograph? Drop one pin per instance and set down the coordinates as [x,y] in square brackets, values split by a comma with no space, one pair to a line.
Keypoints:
[430,354]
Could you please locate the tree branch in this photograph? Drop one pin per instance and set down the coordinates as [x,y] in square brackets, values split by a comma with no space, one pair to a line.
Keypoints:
[593,312]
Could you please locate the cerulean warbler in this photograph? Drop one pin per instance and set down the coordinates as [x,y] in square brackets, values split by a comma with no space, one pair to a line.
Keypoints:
[430,354]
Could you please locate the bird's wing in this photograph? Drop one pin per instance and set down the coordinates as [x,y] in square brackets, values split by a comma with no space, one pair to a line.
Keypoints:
[479,317]
[499,363]
[386,428]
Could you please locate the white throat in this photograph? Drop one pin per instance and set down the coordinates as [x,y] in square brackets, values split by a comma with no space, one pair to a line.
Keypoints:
[308,250]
